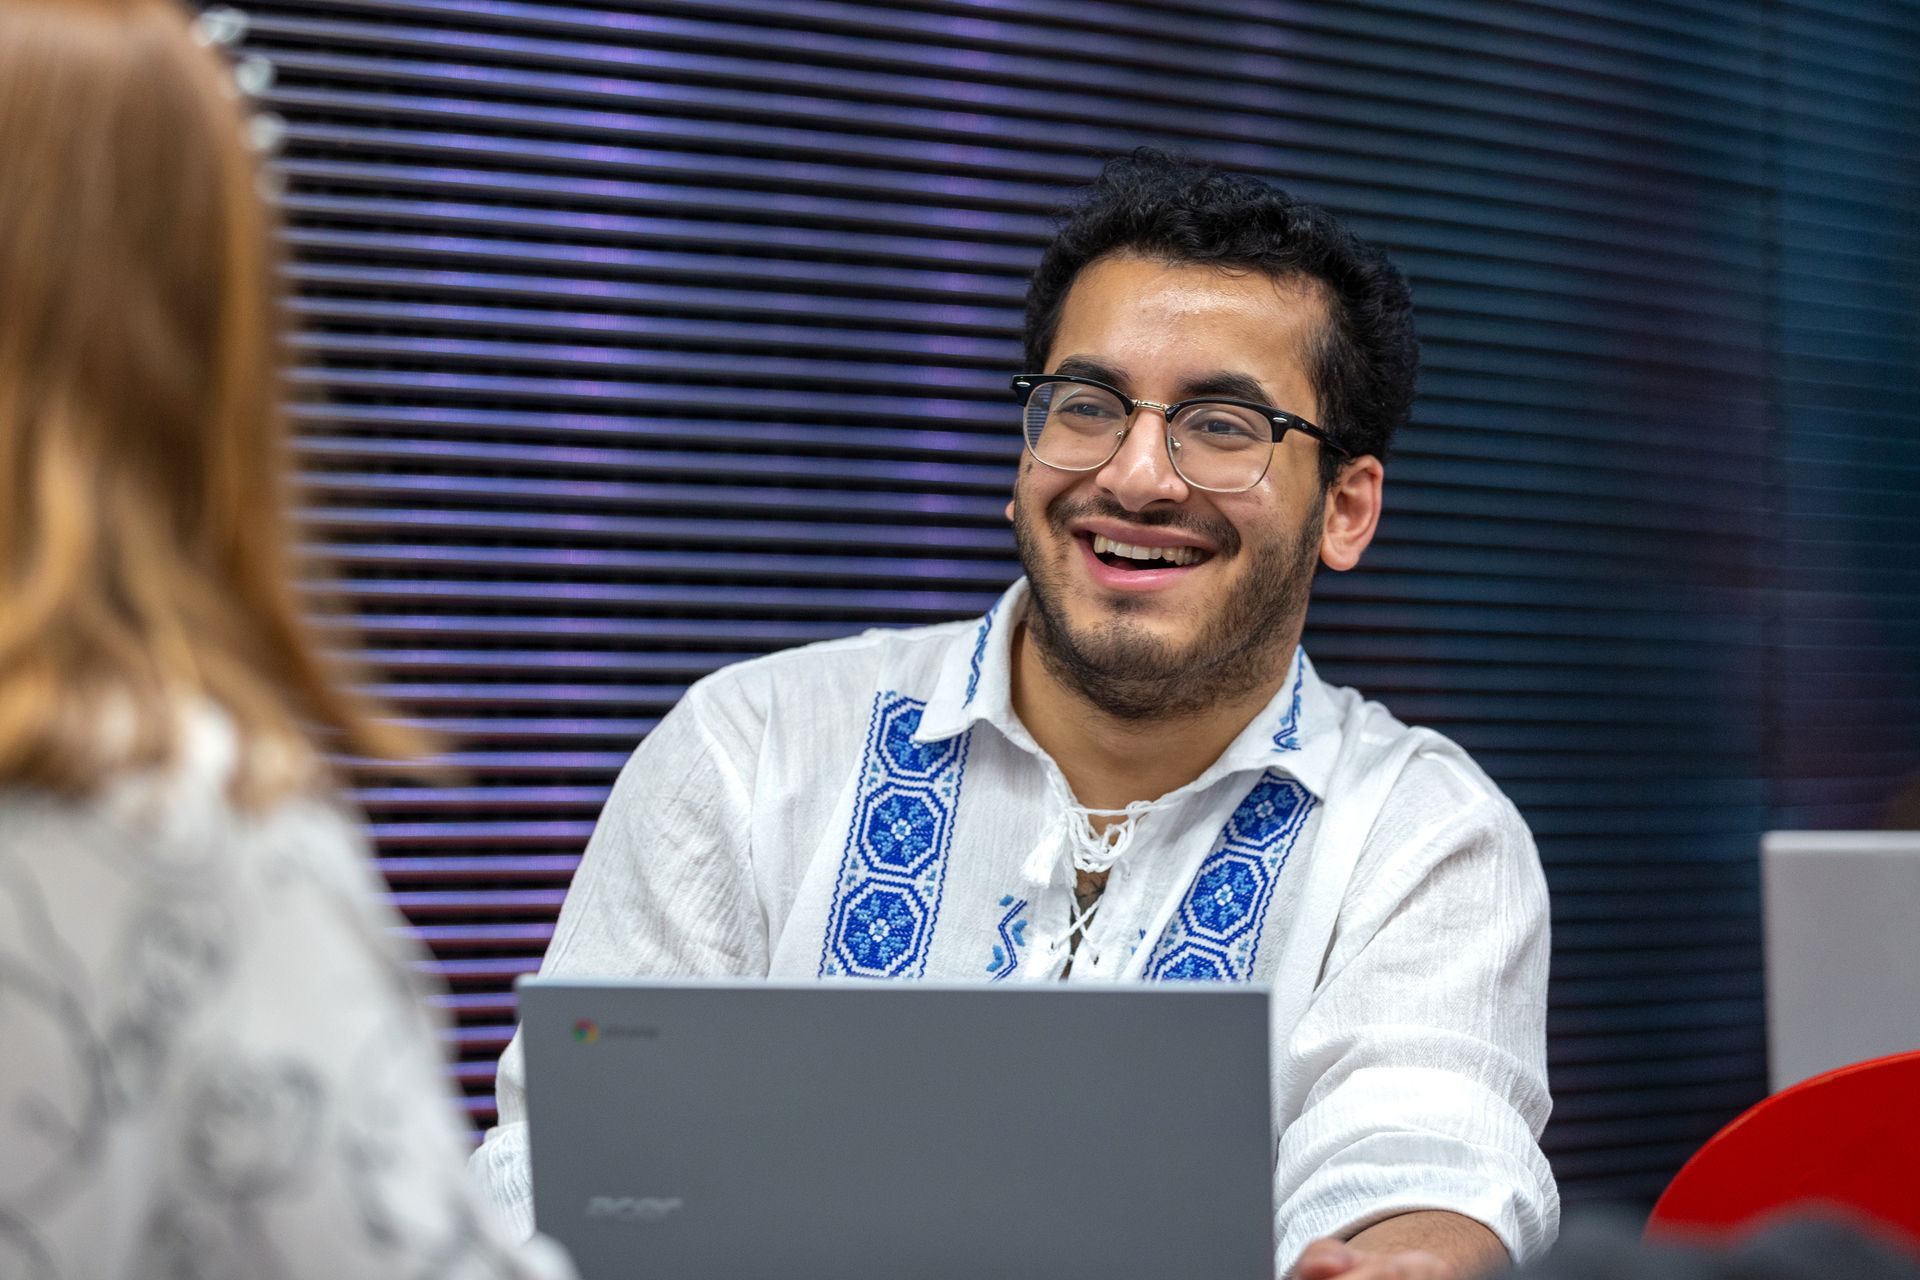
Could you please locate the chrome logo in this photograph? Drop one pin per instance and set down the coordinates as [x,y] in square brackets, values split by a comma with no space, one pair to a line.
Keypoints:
[586,1031]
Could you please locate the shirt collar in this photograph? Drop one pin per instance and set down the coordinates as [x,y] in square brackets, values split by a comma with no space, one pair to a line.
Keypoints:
[976,675]
[1297,732]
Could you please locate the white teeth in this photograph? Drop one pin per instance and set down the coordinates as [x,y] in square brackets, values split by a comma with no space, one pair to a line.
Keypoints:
[1103,545]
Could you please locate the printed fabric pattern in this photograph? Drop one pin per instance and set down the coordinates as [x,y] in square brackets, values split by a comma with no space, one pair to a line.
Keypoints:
[216,1063]
[887,899]
[1215,935]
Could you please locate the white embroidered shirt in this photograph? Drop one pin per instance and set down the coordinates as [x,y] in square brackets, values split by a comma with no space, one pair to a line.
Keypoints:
[873,808]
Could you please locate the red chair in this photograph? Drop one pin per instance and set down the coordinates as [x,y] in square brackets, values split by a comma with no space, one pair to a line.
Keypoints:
[1847,1142]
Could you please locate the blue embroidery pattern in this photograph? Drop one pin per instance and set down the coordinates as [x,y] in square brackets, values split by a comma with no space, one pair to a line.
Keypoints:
[979,652]
[1216,933]
[1287,736]
[1013,936]
[895,862]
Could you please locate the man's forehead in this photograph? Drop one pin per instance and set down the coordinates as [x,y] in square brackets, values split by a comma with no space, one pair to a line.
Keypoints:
[1122,285]
[1214,330]
[1148,272]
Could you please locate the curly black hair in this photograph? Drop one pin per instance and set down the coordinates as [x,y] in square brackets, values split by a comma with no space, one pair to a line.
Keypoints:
[1363,365]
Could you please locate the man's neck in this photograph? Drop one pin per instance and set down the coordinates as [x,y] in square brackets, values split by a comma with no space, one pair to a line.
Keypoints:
[1111,762]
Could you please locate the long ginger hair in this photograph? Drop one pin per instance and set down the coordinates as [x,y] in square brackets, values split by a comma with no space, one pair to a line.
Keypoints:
[145,556]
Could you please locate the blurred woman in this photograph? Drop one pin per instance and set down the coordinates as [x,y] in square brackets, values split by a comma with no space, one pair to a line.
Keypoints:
[214,1060]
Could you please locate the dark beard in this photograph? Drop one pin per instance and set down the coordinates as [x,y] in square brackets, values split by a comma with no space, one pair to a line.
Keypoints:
[1131,674]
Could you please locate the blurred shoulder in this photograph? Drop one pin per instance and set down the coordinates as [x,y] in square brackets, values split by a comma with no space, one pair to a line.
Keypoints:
[178,825]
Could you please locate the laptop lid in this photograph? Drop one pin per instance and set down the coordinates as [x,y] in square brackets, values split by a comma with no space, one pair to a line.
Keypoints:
[1843,968]
[746,1130]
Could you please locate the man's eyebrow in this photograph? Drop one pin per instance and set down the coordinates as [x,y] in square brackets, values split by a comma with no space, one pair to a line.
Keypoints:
[1232,386]
[1224,383]
[1087,367]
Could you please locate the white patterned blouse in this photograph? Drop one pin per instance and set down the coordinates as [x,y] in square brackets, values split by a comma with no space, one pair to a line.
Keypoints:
[873,808]
[215,1061]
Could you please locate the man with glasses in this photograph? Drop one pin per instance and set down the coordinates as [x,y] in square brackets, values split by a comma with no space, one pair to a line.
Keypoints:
[1128,769]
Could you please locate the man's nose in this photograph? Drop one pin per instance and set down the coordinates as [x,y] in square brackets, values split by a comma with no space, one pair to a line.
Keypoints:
[1142,473]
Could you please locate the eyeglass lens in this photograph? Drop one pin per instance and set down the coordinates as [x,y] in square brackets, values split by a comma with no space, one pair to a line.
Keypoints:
[1215,446]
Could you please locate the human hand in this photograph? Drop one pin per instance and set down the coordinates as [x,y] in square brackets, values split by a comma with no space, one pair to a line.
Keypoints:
[1326,1258]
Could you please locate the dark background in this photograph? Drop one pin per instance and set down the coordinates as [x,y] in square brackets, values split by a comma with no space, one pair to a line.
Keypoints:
[637,340]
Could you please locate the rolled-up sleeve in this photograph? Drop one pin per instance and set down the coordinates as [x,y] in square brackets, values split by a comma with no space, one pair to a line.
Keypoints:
[1416,1078]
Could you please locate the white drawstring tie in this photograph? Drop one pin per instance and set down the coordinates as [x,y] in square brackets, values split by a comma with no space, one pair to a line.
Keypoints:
[1094,851]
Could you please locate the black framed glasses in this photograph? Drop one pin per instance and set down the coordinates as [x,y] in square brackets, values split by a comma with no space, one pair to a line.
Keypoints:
[1222,446]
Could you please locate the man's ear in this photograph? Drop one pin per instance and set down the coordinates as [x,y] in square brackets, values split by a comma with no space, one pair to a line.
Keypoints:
[1352,512]
[1009,508]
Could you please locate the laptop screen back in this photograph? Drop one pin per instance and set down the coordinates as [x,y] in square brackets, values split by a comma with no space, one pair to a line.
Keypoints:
[753,1130]
[1843,958]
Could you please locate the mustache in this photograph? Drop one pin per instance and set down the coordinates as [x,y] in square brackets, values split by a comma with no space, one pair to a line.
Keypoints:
[1064,510]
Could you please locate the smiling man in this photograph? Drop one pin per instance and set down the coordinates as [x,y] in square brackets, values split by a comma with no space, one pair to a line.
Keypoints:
[1128,769]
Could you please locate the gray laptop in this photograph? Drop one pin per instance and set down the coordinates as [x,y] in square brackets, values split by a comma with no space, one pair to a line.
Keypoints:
[685,1130]
[1843,962]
